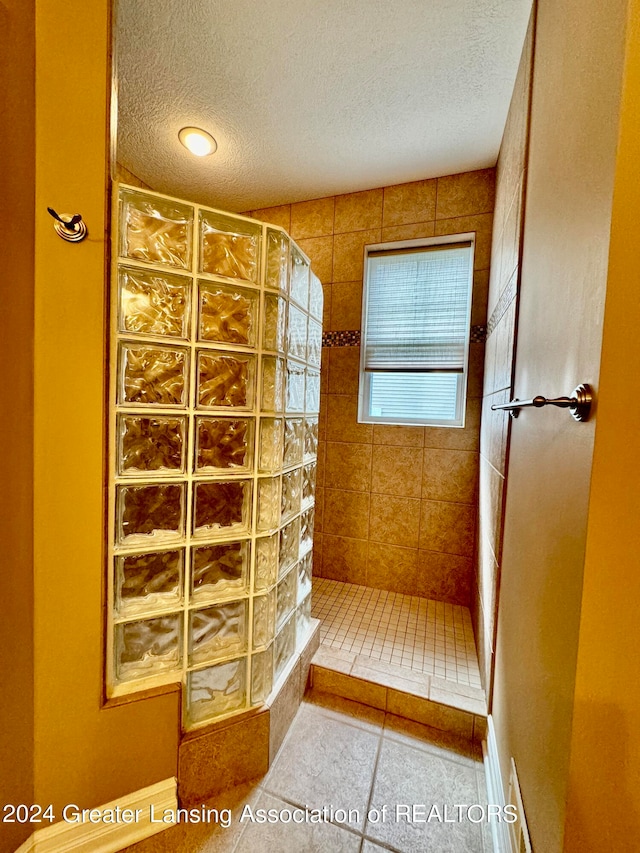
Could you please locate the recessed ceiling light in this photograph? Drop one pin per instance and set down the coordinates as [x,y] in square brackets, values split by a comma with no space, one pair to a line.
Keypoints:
[198,141]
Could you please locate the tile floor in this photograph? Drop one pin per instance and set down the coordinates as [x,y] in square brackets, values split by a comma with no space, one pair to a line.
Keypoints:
[344,755]
[427,636]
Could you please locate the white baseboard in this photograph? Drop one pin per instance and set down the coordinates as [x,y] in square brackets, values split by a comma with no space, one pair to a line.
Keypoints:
[495,789]
[71,837]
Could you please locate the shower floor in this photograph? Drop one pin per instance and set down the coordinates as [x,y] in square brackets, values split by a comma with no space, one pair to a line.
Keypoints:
[419,634]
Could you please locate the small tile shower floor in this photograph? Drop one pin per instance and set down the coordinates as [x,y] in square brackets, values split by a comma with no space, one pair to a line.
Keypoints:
[426,636]
[344,755]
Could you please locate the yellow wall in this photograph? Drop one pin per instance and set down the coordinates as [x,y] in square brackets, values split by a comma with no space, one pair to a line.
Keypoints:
[603,811]
[84,753]
[16,423]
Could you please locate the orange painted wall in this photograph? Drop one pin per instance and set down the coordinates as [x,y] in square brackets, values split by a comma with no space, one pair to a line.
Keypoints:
[603,812]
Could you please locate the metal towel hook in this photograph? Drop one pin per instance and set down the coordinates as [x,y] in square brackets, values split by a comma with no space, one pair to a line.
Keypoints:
[579,403]
[73,229]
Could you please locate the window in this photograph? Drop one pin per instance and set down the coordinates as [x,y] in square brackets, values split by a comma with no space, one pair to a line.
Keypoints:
[415,331]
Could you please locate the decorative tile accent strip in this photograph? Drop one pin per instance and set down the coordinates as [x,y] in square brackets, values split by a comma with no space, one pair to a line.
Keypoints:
[478,334]
[341,339]
[506,297]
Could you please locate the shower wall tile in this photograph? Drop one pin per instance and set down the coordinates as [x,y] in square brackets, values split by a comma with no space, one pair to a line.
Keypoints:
[466,194]
[372,483]
[446,577]
[280,216]
[358,211]
[346,306]
[312,218]
[395,520]
[348,466]
[345,558]
[409,203]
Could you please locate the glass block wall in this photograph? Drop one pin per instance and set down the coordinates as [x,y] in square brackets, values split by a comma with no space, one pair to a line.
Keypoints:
[215,389]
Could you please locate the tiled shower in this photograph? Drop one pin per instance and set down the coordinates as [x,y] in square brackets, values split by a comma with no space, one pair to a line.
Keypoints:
[215,390]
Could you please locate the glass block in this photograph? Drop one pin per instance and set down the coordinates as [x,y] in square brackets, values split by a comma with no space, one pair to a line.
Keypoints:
[275,323]
[310,437]
[277,277]
[217,632]
[261,675]
[271,444]
[305,571]
[150,512]
[291,493]
[303,618]
[316,296]
[226,380]
[306,530]
[314,343]
[144,582]
[215,691]
[268,503]
[152,375]
[266,561]
[151,444]
[228,315]
[297,333]
[285,597]
[312,398]
[154,303]
[293,441]
[272,384]
[222,508]
[308,484]
[289,544]
[224,444]
[155,230]
[229,247]
[218,571]
[148,647]
[299,284]
[295,387]
[264,614]
[285,645]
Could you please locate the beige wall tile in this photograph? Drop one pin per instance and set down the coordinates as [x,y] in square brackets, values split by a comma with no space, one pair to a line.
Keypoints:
[394,520]
[312,218]
[350,688]
[348,253]
[317,555]
[482,225]
[397,471]
[342,411]
[401,436]
[476,366]
[326,307]
[466,193]
[283,709]
[358,211]
[392,567]
[320,469]
[346,513]
[430,713]
[480,297]
[348,466]
[448,527]
[412,202]
[445,577]
[452,438]
[344,368]
[416,231]
[280,216]
[319,509]
[320,252]
[344,559]
[324,371]
[346,305]
[449,475]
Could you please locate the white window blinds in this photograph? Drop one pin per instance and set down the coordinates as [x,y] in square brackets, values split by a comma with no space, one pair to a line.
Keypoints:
[418,309]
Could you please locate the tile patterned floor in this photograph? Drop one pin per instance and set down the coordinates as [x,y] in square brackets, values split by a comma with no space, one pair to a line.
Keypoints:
[420,634]
[344,755]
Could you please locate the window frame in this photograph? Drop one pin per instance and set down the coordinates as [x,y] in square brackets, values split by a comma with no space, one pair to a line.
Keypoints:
[364,376]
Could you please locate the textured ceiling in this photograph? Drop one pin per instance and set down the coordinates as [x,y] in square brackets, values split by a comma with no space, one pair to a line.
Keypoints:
[309,98]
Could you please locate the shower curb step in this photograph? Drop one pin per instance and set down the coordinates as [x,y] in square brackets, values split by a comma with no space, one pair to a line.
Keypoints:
[433,701]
